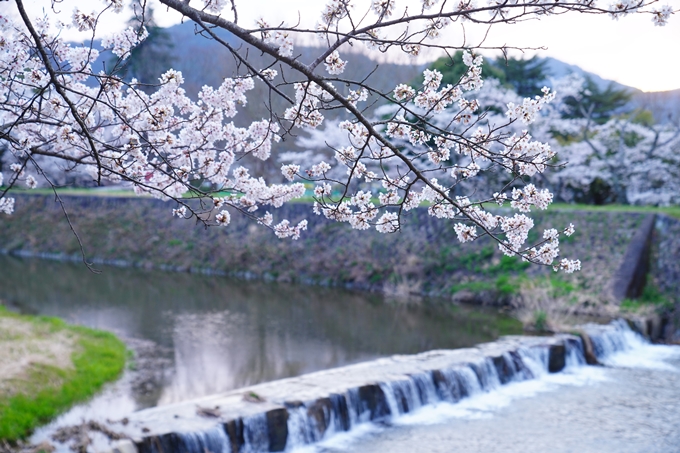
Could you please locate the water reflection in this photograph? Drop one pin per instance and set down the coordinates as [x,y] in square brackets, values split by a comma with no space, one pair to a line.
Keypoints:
[217,334]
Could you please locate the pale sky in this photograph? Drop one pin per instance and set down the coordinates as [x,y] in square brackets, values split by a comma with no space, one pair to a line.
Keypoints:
[631,51]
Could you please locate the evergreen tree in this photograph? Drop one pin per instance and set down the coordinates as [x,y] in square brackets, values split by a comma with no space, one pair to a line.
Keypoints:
[525,76]
[597,104]
[453,68]
[147,60]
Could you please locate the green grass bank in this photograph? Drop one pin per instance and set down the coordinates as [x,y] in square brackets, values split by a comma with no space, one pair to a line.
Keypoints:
[47,366]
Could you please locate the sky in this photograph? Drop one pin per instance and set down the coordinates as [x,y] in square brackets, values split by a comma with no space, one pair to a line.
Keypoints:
[631,51]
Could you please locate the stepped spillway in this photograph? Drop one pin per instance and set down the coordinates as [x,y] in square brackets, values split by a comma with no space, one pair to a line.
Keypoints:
[294,412]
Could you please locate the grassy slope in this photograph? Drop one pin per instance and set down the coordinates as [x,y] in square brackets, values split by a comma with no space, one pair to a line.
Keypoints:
[48,391]
[424,258]
[673,211]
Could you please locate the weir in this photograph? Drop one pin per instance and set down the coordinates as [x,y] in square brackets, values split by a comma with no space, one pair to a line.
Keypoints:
[290,413]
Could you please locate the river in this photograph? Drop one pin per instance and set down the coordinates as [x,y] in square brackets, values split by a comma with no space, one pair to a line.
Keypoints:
[198,335]
[631,405]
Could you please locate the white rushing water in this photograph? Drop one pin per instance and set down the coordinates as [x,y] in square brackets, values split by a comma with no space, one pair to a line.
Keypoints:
[615,345]
[624,348]
[482,401]
[472,391]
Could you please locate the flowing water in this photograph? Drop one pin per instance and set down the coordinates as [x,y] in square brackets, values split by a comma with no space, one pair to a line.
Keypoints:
[628,405]
[200,335]
[215,334]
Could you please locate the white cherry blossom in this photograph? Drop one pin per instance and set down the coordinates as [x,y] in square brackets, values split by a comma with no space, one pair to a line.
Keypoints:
[448,146]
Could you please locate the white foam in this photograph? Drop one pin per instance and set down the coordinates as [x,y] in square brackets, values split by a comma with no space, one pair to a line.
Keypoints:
[641,354]
[480,405]
[637,354]
[341,440]
[485,405]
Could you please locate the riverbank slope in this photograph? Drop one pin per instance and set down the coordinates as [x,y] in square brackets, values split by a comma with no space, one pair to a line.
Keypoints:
[46,366]
[424,258]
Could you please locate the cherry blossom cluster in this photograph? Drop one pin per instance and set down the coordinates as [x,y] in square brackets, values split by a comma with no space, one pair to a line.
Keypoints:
[333,12]
[465,233]
[215,6]
[432,100]
[661,15]
[121,43]
[6,203]
[524,199]
[334,65]
[117,5]
[568,266]
[620,8]
[525,156]
[282,40]
[84,21]
[527,111]
[388,223]
[159,141]
[439,146]
[307,109]
[637,170]
[478,150]
[285,230]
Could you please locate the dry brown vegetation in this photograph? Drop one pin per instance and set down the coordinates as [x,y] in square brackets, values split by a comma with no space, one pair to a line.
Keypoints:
[25,348]
[424,258]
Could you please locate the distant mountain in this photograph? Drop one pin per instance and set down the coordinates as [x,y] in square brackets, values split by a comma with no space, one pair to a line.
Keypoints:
[203,61]
[560,69]
[664,105]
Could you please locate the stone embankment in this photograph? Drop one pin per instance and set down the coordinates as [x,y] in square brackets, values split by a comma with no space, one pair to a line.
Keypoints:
[665,266]
[423,258]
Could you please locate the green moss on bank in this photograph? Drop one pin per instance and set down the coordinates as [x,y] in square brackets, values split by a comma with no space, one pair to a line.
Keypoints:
[673,211]
[45,391]
[651,297]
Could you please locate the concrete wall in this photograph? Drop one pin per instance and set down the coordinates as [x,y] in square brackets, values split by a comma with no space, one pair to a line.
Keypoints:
[631,277]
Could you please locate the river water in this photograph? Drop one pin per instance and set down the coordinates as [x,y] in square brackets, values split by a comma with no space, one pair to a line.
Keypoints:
[199,335]
[630,405]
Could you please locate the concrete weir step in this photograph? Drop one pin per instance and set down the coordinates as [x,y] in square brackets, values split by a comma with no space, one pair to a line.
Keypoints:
[277,415]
